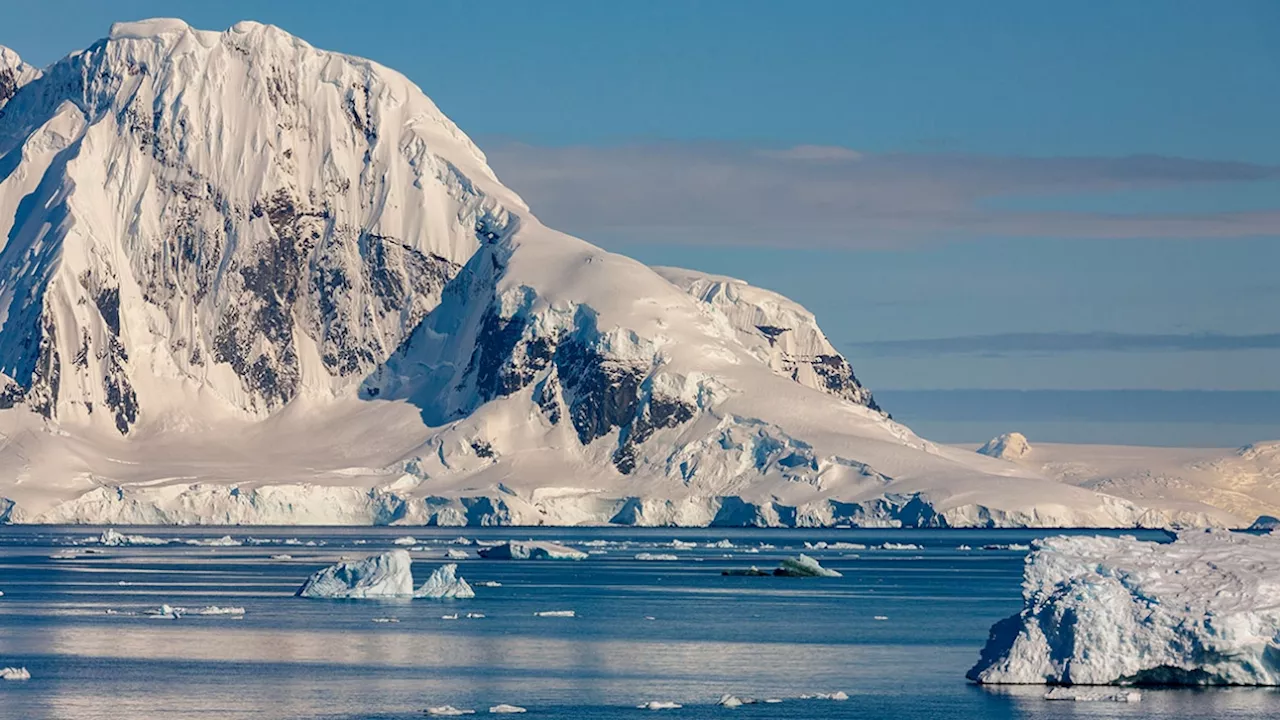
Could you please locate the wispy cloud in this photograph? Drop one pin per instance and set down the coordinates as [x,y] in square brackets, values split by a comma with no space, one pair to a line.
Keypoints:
[820,196]
[1055,343]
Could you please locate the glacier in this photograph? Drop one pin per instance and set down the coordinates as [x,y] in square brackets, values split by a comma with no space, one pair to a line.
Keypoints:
[1117,611]
[247,281]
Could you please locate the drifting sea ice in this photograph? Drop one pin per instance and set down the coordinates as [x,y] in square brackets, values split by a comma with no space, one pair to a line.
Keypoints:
[531,550]
[15,673]
[448,710]
[1102,611]
[655,556]
[505,709]
[557,613]
[804,566]
[406,540]
[1084,694]
[445,583]
[659,705]
[898,546]
[379,576]
[453,554]
[112,538]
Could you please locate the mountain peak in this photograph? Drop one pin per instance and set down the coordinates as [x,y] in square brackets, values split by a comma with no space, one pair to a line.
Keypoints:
[149,28]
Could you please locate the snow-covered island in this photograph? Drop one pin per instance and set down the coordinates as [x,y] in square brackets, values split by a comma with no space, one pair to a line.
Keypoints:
[1202,610]
[389,575]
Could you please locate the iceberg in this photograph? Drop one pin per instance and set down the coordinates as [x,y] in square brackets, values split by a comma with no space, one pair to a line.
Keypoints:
[531,550]
[453,554]
[406,540]
[448,710]
[15,673]
[659,705]
[445,583]
[505,709]
[1201,610]
[112,538]
[224,541]
[380,576]
[804,566]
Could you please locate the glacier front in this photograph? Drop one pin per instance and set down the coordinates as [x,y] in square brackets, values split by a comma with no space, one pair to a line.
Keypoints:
[1201,610]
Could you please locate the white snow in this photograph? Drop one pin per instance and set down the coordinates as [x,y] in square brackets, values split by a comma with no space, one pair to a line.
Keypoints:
[1104,610]
[531,550]
[15,673]
[379,576]
[505,709]
[1009,446]
[804,566]
[444,583]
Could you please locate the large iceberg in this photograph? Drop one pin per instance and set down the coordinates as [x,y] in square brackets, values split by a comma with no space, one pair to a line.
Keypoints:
[387,575]
[1202,610]
[445,583]
[531,550]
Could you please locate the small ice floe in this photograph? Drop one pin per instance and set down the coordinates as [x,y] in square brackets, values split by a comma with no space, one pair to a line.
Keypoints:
[655,556]
[445,583]
[406,540]
[475,616]
[531,550]
[1083,694]
[282,556]
[733,701]
[112,538]
[880,617]
[453,616]
[224,541]
[1,593]
[821,545]
[460,541]
[385,620]
[448,710]
[214,610]
[557,613]
[659,705]
[898,546]
[721,545]
[454,554]
[166,612]
[650,617]
[15,673]
[682,545]
[839,695]
[505,709]
[489,583]
[963,547]
[1010,546]
[804,566]
[65,555]
[772,701]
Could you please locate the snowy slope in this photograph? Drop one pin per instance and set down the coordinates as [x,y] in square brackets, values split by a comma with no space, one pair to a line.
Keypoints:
[1231,486]
[248,281]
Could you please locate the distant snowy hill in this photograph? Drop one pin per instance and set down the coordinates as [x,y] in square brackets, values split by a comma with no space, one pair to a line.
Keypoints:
[244,280]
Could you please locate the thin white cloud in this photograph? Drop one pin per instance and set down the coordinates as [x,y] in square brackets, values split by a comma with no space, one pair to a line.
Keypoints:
[818,196]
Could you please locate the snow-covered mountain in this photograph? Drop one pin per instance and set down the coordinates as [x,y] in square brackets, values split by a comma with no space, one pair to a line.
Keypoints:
[244,280]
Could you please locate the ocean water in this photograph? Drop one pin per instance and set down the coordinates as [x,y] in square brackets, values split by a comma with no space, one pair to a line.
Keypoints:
[896,633]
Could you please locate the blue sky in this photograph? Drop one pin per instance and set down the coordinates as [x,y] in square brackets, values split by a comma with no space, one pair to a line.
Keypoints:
[998,194]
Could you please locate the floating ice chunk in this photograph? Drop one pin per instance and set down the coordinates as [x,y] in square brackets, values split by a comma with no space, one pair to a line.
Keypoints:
[839,695]
[224,541]
[1,593]
[963,547]
[804,566]
[655,556]
[898,546]
[451,616]
[111,538]
[475,616]
[505,709]
[1085,694]
[216,610]
[721,545]
[445,583]
[531,550]
[385,620]
[166,612]
[820,545]
[1010,546]
[65,555]
[379,576]
[453,554]
[660,705]
[15,673]
[682,545]
[282,556]
[489,583]
[880,617]
[406,540]
[1101,610]
[752,571]
[733,701]
[448,710]
[460,541]
[557,613]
